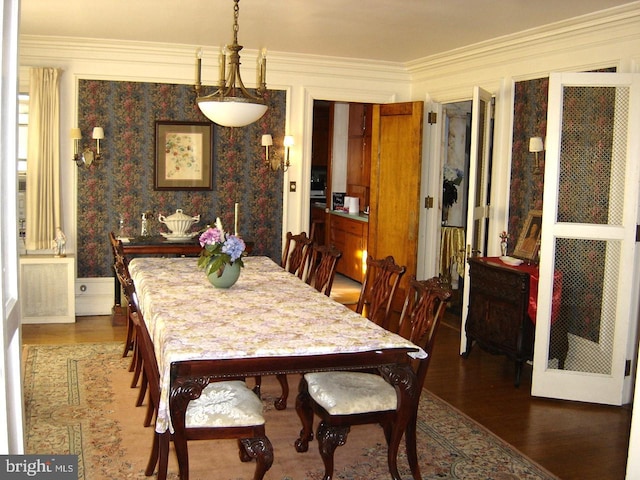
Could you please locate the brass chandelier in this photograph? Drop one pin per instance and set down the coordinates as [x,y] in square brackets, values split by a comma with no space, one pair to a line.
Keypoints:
[231,105]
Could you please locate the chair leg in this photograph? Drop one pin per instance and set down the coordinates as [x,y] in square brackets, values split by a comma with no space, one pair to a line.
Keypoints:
[329,438]
[134,357]
[394,436]
[143,389]
[412,454]
[150,411]
[163,451]
[259,448]
[153,457]
[281,403]
[128,343]
[137,368]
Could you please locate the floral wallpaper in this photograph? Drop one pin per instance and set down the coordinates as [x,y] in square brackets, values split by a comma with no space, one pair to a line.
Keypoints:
[120,186]
[529,120]
[582,197]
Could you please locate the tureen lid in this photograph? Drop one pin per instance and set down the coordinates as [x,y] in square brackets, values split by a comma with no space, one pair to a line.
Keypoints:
[178,216]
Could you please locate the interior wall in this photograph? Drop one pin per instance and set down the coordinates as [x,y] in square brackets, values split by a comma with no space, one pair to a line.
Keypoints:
[589,43]
[121,183]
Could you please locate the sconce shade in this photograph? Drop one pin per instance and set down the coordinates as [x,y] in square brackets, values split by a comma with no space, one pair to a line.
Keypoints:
[267,140]
[76,134]
[98,133]
[288,141]
[536,144]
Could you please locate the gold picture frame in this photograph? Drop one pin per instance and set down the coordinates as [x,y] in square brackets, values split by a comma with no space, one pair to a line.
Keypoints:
[183,156]
[529,239]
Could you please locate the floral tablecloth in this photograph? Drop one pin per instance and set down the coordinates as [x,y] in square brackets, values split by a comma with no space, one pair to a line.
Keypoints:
[268,312]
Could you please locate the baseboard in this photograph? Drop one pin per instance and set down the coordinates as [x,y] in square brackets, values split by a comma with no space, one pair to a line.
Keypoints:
[94,296]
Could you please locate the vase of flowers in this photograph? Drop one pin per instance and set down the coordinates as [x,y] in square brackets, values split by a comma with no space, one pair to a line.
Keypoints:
[221,256]
[504,237]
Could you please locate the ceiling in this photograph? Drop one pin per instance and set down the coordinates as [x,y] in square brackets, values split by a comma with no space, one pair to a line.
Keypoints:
[386,30]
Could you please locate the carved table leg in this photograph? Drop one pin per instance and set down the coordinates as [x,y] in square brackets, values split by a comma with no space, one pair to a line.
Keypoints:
[305,412]
[281,403]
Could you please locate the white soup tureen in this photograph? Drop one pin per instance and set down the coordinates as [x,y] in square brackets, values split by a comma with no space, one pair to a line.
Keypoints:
[178,223]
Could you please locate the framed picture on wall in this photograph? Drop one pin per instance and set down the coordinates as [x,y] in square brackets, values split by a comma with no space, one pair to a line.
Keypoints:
[183,156]
[529,240]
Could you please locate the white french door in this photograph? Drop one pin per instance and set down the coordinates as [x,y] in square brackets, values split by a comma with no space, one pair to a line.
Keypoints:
[478,196]
[588,253]
[11,405]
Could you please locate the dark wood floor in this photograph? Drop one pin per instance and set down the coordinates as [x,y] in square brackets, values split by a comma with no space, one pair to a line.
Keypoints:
[572,440]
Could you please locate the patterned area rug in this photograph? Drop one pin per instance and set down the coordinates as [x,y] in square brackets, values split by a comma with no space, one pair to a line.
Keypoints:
[78,400]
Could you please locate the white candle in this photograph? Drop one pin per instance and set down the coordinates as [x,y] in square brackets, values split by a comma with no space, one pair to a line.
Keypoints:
[236,218]
[198,66]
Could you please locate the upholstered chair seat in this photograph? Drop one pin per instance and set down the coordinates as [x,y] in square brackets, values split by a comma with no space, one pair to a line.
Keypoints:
[225,404]
[348,393]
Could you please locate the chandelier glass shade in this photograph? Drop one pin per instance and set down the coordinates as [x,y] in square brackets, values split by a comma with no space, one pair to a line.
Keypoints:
[232,105]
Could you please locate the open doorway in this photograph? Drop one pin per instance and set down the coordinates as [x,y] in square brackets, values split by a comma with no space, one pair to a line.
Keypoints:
[456,152]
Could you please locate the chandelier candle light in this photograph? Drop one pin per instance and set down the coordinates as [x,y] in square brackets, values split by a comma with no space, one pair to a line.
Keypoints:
[231,105]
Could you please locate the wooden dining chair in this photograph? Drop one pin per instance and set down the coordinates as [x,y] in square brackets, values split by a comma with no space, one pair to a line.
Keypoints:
[223,410]
[130,342]
[116,249]
[322,267]
[343,399]
[295,255]
[378,289]
[124,278]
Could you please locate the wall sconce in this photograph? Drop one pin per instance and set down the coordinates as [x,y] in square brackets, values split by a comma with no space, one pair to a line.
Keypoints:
[536,146]
[86,157]
[274,163]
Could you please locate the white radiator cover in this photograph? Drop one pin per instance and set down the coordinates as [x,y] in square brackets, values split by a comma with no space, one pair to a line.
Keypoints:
[47,289]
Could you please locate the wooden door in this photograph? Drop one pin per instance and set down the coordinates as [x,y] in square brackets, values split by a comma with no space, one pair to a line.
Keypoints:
[396,160]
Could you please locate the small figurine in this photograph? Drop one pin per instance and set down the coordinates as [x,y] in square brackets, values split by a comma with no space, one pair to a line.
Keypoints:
[144,231]
[59,244]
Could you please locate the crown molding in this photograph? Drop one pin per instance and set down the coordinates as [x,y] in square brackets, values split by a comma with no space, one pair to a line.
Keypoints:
[608,27]
[36,49]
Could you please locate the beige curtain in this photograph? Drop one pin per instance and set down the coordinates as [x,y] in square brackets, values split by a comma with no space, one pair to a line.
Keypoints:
[43,158]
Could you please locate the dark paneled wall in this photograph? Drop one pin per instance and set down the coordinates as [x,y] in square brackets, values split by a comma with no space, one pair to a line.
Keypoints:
[121,184]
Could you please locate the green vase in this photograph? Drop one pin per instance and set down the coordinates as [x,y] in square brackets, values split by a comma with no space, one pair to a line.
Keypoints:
[229,276]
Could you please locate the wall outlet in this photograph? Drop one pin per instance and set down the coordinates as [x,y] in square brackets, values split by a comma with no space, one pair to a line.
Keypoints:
[292,186]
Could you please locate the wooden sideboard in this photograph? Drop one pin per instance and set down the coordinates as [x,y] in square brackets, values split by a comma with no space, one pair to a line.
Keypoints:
[349,233]
[497,319]
[500,314]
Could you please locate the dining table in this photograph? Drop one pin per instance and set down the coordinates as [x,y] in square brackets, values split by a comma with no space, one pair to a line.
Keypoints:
[269,323]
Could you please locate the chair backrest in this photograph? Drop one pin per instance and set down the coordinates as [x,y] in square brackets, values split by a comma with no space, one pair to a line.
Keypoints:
[378,288]
[296,253]
[425,305]
[322,267]
[121,267]
[116,248]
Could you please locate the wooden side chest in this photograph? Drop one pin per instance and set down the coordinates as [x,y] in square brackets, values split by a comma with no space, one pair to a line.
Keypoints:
[497,319]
